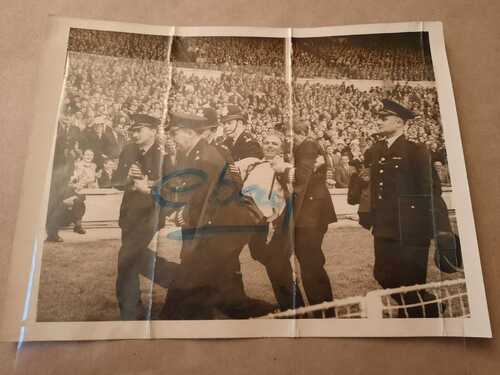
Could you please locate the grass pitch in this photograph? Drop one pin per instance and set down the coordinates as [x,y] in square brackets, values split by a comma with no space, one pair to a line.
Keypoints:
[77,281]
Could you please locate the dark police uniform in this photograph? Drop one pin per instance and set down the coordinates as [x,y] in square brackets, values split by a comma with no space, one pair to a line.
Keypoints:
[275,256]
[212,215]
[140,218]
[246,146]
[406,204]
[313,211]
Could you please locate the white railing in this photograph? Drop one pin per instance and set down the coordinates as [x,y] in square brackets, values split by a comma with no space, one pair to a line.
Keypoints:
[450,296]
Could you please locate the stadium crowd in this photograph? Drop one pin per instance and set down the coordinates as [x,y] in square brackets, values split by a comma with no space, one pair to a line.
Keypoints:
[262,99]
[100,94]
[374,59]
[387,58]
[117,44]
[267,55]
[99,100]
[344,117]
[102,91]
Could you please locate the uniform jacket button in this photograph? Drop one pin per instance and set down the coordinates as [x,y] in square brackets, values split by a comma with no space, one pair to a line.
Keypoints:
[381,171]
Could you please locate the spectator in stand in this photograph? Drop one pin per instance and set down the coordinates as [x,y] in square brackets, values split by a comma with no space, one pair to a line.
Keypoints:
[436,154]
[105,175]
[113,141]
[343,172]
[69,208]
[84,176]
[442,172]
[92,139]
[332,162]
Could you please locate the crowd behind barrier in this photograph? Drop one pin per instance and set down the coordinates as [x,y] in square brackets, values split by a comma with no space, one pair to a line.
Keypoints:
[111,76]
[102,92]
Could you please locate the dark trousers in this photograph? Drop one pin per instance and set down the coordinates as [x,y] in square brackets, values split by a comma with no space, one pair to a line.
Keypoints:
[61,215]
[206,285]
[134,259]
[308,241]
[398,265]
[275,257]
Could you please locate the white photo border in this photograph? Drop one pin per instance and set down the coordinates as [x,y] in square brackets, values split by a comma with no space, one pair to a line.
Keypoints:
[19,318]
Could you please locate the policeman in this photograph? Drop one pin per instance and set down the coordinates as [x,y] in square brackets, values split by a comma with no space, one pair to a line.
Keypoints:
[240,143]
[210,134]
[141,165]
[405,201]
[237,144]
[313,211]
[210,216]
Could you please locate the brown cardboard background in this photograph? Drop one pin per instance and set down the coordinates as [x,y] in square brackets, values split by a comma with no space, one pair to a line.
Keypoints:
[472,36]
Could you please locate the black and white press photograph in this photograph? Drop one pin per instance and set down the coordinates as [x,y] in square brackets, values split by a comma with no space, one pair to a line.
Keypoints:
[257,179]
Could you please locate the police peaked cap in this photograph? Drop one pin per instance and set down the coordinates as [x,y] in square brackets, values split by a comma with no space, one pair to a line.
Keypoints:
[392,108]
[233,113]
[188,121]
[211,115]
[143,120]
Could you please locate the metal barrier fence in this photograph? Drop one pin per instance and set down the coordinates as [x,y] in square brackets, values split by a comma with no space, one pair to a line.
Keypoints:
[449,296]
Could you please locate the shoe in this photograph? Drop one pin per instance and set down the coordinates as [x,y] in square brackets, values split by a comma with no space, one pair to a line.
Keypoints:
[55,238]
[79,229]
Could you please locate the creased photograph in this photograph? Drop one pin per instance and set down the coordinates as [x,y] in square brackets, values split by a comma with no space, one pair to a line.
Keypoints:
[246,182]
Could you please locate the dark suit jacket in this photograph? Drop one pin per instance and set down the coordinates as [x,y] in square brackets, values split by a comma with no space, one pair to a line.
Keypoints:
[343,176]
[90,140]
[106,180]
[67,136]
[313,205]
[111,144]
[405,193]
